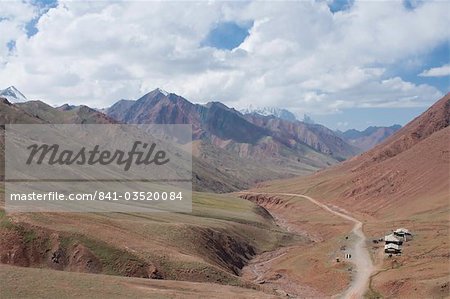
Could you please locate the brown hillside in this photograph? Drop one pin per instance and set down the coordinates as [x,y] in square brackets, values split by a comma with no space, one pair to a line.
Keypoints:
[434,119]
[409,166]
[10,113]
[403,182]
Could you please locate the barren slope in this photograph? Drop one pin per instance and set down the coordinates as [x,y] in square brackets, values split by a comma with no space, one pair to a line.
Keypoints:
[34,283]
[370,137]
[403,182]
[211,244]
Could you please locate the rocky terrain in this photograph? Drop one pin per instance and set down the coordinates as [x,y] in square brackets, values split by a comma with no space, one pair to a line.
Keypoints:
[403,182]
[210,245]
[264,136]
[368,138]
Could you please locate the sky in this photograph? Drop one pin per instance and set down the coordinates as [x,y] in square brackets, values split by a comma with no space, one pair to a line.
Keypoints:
[346,63]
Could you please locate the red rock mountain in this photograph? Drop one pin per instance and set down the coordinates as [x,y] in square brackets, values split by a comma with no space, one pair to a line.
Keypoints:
[368,138]
[408,172]
[249,135]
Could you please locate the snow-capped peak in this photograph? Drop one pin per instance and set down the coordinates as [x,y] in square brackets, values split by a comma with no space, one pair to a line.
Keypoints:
[267,111]
[163,91]
[13,95]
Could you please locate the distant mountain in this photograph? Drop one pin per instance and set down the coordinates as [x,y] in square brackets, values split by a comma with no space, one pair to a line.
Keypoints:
[256,147]
[370,137]
[116,111]
[225,126]
[231,151]
[435,119]
[221,124]
[407,172]
[267,111]
[66,114]
[315,136]
[205,176]
[13,95]
[12,114]
[212,119]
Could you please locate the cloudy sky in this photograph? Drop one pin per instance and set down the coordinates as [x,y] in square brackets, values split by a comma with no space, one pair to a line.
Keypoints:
[348,64]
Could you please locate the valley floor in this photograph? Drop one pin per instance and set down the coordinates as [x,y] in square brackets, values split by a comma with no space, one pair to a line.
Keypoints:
[19,282]
[421,271]
[295,251]
[310,270]
[298,250]
[261,269]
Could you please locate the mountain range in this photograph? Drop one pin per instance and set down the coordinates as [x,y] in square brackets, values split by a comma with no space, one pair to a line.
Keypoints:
[228,146]
[270,111]
[227,128]
[369,137]
[397,171]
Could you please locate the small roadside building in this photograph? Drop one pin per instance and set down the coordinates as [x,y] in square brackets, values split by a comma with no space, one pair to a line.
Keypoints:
[403,233]
[392,248]
[392,239]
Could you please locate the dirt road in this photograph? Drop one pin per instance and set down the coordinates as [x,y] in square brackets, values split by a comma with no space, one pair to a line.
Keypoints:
[360,255]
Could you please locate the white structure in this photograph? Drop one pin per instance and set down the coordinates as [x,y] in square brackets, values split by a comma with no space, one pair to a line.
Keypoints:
[403,233]
[392,239]
[392,248]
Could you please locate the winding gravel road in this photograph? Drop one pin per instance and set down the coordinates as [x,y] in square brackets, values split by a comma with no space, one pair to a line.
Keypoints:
[360,254]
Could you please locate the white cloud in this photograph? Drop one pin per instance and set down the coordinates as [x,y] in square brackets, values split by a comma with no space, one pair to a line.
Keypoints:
[298,54]
[13,18]
[441,71]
